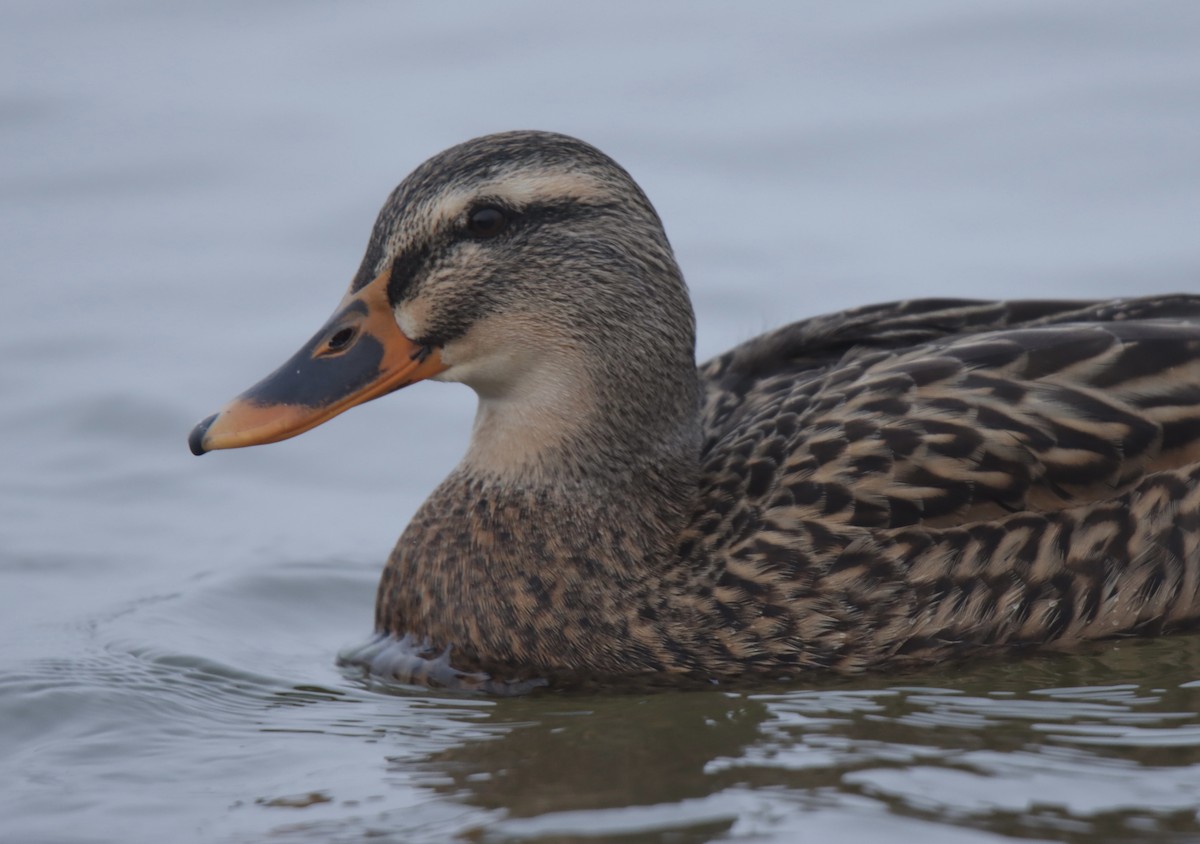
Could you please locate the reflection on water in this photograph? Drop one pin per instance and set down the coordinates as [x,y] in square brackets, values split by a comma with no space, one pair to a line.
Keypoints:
[186,189]
[1003,760]
[993,754]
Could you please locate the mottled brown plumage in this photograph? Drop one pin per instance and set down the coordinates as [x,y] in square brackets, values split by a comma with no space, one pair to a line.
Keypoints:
[890,485]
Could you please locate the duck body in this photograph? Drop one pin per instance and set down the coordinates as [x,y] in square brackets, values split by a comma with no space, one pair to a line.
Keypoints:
[891,485]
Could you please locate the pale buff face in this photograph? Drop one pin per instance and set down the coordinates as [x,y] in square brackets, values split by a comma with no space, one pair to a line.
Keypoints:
[531,381]
[494,352]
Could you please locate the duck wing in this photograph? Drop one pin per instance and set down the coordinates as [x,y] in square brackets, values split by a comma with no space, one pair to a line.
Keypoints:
[948,412]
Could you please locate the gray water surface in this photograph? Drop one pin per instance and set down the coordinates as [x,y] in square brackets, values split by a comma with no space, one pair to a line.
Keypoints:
[185,190]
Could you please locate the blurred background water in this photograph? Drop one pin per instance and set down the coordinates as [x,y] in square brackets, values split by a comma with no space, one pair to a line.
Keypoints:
[185,190]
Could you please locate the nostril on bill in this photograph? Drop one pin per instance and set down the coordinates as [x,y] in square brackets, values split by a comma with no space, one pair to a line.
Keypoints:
[341,338]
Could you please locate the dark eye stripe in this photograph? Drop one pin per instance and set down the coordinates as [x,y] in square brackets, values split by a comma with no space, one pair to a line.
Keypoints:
[408,263]
[405,267]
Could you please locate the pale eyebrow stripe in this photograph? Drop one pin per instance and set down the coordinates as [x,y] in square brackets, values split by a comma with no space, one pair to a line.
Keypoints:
[521,190]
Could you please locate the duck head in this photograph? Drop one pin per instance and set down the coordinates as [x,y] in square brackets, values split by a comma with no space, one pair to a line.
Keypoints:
[527,265]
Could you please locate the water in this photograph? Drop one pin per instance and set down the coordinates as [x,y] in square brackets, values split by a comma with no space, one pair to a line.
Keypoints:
[186,189]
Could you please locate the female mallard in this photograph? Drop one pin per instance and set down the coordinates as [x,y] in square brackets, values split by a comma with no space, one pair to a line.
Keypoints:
[893,484]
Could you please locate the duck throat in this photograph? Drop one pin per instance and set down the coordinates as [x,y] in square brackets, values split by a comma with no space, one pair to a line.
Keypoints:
[572,425]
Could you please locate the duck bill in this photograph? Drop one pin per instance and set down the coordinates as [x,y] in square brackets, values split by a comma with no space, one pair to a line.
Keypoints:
[358,355]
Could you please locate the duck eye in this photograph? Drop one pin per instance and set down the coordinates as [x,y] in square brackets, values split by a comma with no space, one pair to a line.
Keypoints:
[488,221]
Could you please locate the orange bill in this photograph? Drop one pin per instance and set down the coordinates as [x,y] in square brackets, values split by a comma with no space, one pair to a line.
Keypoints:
[360,354]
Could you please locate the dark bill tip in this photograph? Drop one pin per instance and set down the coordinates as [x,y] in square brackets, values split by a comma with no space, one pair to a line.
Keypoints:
[196,437]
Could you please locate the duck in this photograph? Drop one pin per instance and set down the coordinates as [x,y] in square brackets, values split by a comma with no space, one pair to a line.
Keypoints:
[894,485]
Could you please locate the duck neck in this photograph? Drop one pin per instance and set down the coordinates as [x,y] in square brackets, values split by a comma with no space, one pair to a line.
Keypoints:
[594,442]
[561,523]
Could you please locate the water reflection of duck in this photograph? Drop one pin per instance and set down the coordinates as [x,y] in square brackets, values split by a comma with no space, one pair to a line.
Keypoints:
[898,483]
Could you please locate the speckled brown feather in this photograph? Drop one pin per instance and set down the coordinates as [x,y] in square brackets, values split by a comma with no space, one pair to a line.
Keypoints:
[1016,480]
[890,485]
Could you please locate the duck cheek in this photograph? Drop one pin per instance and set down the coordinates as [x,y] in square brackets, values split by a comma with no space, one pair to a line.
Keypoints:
[489,365]
[475,372]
